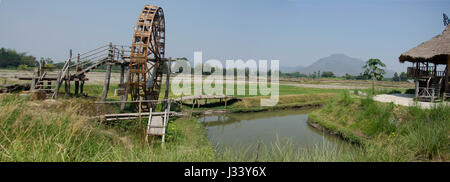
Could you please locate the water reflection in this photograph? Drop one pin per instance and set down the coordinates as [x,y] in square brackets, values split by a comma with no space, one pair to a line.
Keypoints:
[247,129]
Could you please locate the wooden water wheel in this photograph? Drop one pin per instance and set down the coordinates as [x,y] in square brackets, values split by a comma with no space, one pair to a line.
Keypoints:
[147,57]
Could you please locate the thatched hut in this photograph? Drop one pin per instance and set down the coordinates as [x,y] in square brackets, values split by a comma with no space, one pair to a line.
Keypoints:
[428,58]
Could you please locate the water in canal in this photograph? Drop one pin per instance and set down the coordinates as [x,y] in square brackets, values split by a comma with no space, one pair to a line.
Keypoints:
[235,131]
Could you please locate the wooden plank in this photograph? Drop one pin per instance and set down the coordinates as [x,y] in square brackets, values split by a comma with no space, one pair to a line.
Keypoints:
[171,100]
[137,114]
[156,126]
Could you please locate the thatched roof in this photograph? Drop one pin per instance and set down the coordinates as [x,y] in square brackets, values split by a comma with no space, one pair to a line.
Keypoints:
[434,50]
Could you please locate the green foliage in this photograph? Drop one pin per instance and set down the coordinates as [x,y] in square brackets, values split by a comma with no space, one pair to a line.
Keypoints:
[23,67]
[403,77]
[410,91]
[11,59]
[328,74]
[293,75]
[394,133]
[50,66]
[345,99]
[396,78]
[373,68]
[395,92]
[51,135]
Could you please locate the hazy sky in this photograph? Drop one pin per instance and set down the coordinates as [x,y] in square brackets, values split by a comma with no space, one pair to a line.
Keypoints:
[296,32]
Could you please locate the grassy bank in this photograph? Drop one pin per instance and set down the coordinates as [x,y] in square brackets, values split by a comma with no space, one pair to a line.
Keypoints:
[63,131]
[388,132]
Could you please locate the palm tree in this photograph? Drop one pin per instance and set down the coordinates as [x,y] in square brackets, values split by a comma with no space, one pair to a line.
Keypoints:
[373,68]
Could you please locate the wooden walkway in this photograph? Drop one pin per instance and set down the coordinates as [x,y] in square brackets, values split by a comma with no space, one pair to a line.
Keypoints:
[185,98]
[130,116]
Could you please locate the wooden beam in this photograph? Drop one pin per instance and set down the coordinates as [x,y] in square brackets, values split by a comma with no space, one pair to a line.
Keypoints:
[107,82]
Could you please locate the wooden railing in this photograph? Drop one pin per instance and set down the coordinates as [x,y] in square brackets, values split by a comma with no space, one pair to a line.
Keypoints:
[412,72]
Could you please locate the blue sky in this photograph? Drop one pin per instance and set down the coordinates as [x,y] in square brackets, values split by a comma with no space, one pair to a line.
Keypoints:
[297,32]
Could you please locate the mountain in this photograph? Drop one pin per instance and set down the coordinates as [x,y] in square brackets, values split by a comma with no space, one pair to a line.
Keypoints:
[339,64]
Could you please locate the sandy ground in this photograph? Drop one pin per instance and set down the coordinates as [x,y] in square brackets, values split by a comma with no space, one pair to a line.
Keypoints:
[404,100]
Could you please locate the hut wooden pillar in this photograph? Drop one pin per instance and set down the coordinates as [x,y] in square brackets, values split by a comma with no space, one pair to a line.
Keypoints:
[416,81]
[447,76]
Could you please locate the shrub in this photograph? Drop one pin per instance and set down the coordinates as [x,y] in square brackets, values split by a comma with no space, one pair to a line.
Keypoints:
[394,92]
[23,67]
[410,91]
[345,98]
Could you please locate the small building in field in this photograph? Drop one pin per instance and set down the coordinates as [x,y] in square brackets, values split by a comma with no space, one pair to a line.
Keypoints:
[430,67]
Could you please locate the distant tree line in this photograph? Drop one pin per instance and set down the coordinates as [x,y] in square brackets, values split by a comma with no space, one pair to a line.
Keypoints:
[318,74]
[11,59]
[366,75]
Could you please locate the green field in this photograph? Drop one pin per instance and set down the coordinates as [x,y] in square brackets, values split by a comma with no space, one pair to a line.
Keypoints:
[67,130]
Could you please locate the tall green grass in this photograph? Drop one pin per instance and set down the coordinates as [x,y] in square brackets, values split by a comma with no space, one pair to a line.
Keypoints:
[392,133]
[60,132]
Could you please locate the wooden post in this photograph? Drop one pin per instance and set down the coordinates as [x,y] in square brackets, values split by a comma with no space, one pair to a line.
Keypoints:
[82,87]
[33,81]
[447,76]
[122,77]
[108,72]
[67,76]
[148,125]
[226,103]
[107,81]
[140,117]
[77,85]
[122,74]
[417,88]
[166,96]
[125,96]
[435,70]
[416,81]
[192,110]
[77,80]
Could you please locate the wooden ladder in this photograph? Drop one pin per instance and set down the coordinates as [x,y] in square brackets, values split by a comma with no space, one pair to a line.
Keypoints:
[63,74]
[157,125]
